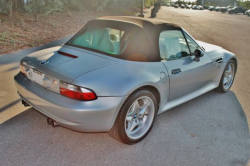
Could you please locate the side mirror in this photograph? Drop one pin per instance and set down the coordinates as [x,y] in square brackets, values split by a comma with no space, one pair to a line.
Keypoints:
[198,54]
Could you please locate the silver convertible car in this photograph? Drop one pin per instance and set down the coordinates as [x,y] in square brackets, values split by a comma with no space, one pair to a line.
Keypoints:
[117,73]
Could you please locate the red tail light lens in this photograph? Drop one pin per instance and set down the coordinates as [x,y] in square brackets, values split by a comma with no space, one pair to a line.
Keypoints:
[22,69]
[76,92]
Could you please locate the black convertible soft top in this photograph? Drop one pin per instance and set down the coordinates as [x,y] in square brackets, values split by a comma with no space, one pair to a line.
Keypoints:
[142,22]
[152,27]
[147,33]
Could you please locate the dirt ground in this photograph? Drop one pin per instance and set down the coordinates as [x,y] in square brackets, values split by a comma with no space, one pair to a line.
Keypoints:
[21,31]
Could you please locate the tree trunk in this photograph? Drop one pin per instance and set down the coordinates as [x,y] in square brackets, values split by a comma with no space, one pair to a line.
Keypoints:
[37,11]
[37,17]
[10,7]
[14,5]
[19,4]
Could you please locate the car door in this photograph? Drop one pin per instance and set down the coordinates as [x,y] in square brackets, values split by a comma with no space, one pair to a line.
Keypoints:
[185,74]
[238,10]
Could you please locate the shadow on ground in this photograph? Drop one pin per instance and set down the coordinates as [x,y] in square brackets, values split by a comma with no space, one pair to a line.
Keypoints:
[209,130]
[17,56]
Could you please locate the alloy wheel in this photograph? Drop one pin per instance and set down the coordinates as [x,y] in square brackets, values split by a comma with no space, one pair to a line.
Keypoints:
[228,76]
[139,117]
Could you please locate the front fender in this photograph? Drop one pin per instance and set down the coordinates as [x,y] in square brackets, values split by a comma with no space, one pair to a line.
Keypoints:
[227,56]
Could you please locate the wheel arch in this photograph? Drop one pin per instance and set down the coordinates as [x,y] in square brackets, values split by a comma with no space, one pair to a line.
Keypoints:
[113,132]
[236,63]
[234,58]
[152,89]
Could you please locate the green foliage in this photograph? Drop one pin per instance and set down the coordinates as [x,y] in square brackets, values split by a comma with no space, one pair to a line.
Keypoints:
[148,3]
[73,5]
[4,7]
[99,5]
[44,6]
[244,4]
[198,2]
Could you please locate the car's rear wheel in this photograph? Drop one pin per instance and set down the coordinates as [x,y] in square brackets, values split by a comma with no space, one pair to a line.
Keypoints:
[136,117]
[227,78]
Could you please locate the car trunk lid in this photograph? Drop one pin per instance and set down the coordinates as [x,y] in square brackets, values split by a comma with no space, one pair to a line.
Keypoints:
[64,64]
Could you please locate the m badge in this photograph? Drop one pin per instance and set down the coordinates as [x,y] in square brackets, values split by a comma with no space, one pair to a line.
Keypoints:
[44,62]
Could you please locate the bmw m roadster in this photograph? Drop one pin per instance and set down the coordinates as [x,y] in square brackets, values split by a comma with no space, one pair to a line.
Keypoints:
[117,73]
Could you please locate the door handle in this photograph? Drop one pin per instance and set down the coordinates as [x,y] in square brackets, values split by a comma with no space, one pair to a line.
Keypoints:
[176,71]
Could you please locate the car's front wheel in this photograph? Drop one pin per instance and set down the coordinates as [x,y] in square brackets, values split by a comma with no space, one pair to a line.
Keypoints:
[136,117]
[227,77]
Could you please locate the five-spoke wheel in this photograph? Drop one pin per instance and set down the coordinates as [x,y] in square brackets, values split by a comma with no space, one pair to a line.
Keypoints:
[136,117]
[139,117]
[227,78]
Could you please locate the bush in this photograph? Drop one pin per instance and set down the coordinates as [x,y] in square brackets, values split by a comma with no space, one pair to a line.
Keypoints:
[38,7]
[43,6]
[4,7]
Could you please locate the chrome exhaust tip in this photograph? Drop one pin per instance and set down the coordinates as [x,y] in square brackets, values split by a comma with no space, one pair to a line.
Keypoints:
[49,121]
[52,122]
[25,103]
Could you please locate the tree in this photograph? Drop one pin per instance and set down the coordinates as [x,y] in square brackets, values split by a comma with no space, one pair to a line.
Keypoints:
[245,4]
[9,2]
[198,2]
[44,7]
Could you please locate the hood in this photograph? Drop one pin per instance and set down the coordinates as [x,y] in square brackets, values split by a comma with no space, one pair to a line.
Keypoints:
[67,63]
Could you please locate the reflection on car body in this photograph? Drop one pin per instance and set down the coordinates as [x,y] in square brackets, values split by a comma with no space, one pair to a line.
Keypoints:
[117,73]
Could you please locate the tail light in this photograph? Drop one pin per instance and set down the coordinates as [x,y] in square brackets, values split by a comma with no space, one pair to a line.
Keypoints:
[22,69]
[76,92]
[25,70]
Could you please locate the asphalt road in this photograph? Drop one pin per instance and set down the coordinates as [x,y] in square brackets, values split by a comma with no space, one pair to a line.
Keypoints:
[210,130]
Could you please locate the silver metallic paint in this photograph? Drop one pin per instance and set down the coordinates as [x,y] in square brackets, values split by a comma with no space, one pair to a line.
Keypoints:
[113,80]
[91,116]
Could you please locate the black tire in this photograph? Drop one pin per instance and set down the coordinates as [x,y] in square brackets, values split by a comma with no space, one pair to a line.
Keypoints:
[118,130]
[221,88]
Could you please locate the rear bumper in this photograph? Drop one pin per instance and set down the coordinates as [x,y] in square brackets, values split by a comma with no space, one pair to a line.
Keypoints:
[84,116]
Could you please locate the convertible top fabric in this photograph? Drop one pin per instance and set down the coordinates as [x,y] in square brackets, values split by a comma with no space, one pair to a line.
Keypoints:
[139,21]
[147,31]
